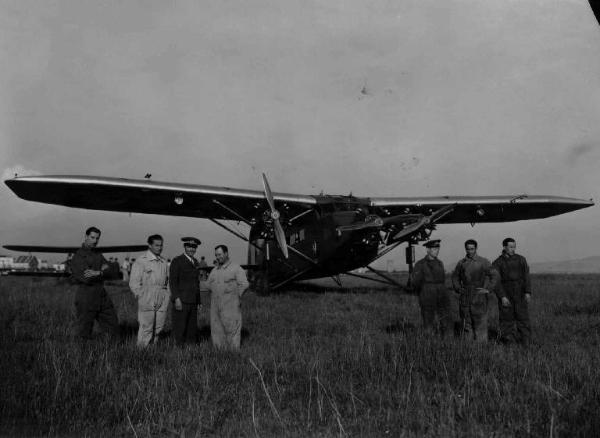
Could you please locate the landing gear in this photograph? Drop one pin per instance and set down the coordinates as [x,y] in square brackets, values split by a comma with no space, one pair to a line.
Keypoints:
[410,260]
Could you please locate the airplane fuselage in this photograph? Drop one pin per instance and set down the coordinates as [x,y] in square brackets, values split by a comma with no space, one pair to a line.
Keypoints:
[317,246]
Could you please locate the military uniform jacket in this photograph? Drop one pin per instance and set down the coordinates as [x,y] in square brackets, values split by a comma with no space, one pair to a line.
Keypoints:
[428,272]
[474,272]
[90,289]
[184,280]
[514,276]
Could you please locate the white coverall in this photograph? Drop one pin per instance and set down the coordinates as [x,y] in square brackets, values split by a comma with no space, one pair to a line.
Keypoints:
[149,283]
[226,283]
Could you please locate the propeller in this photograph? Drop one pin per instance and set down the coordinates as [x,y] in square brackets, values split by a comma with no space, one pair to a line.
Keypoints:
[279,234]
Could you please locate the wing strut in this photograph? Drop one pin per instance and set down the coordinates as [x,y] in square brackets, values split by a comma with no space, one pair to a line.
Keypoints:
[235,233]
[233,212]
[391,280]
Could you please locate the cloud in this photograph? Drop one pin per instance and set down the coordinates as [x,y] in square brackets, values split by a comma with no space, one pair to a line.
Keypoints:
[577,152]
[18,170]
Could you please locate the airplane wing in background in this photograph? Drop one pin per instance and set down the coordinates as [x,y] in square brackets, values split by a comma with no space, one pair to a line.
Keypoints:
[72,249]
[152,197]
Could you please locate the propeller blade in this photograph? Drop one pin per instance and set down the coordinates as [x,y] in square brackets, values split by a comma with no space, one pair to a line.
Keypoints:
[279,233]
[280,236]
[268,193]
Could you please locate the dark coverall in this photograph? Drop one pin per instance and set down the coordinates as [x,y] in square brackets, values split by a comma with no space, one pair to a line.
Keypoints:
[429,280]
[91,300]
[514,284]
[470,276]
[184,281]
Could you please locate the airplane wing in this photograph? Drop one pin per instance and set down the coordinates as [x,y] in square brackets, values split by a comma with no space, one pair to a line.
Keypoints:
[37,273]
[153,197]
[479,209]
[72,249]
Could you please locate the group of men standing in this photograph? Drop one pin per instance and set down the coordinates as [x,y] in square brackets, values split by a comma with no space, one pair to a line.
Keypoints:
[159,286]
[473,279]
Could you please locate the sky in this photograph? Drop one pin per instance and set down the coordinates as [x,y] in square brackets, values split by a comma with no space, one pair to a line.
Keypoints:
[378,98]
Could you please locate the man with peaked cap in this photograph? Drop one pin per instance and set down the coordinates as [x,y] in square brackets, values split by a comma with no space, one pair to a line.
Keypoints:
[429,280]
[184,281]
[472,279]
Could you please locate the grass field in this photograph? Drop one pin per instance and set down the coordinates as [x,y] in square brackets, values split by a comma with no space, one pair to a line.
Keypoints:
[315,361]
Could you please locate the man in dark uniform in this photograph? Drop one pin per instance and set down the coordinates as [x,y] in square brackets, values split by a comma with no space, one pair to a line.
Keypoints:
[89,269]
[473,278]
[429,280]
[514,294]
[184,281]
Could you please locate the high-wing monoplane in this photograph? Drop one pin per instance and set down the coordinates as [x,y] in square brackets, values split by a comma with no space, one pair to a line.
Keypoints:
[295,237]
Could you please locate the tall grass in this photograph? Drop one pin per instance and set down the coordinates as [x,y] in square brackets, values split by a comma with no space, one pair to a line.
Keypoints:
[312,364]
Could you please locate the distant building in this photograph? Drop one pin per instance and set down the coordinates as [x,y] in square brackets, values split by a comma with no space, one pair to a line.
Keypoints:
[6,262]
[26,262]
[43,265]
[59,267]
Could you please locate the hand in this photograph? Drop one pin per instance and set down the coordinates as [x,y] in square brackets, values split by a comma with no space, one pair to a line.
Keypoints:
[482,290]
[90,273]
[527,298]
[505,302]
[178,305]
[104,267]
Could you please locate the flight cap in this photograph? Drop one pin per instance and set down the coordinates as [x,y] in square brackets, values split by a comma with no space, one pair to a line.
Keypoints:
[191,241]
[435,243]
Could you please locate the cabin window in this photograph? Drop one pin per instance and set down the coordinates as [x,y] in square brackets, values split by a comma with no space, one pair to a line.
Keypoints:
[297,236]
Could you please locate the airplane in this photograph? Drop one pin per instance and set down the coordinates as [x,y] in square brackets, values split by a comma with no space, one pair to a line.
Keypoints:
[62,250]
[296,237]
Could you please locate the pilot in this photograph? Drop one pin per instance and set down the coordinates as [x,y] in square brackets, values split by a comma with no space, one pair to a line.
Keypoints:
[227,283]
[148,282]
[472,279]
[184,281]
[89,269]
[514,294]
[429,280]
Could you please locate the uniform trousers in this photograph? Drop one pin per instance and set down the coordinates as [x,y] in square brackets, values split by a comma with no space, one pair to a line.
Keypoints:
[474,314]
[93,304]
[152,314]
[435,299]
[225,320]
[515,325]
[185,323]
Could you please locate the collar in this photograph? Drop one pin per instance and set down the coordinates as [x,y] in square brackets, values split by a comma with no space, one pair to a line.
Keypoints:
[224,265]
[151,256]
[190,258]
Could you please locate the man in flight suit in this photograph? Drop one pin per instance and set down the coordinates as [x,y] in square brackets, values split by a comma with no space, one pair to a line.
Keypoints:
[89,269]
[473,278]
[148,282]
[227,282]
[429,280]
[184,281]
[514,294]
